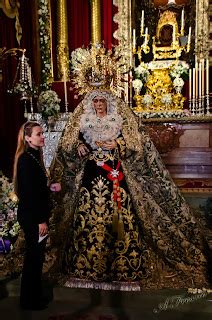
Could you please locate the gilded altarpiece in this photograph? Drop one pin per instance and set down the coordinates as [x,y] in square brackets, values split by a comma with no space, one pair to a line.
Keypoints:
[196,17]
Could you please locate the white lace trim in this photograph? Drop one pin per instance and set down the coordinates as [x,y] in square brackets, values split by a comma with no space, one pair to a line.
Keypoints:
[114,285]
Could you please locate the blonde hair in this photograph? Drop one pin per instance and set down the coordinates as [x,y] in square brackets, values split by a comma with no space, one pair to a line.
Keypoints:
[22,145]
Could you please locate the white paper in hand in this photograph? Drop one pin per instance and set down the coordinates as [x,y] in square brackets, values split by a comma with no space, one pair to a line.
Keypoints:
[42,237]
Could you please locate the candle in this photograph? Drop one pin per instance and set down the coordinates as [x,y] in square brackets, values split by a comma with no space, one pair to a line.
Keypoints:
[203,77]
[207,77]
[190,84]
[134,39]
[31,105]
[142,22]
[189,36]
[200,80]
[146,33]
[196,79]
[182,22]
[65,89]
[193,83]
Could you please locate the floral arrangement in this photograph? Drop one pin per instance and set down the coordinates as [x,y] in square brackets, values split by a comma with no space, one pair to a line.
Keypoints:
[168,114]
[147,100]
[45,47]
[179,70]
[137,85]
[48,104]
[179,73]
[178,82]
[166,99]
[9,227]
[141,74]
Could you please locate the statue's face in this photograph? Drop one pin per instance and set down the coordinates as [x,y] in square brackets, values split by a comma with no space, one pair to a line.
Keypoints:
[100,105]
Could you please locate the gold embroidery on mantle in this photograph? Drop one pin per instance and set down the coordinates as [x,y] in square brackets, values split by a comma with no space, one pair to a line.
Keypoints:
[94,240]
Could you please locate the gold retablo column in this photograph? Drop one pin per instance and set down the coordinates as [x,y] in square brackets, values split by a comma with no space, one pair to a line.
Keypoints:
[62,38]
[96,21]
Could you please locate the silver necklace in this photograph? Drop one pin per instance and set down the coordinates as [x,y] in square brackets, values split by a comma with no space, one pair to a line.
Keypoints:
[38,162]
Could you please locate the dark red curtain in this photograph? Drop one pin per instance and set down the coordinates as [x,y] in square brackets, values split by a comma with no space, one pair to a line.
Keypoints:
[108,25]
[79,35]
[11,109]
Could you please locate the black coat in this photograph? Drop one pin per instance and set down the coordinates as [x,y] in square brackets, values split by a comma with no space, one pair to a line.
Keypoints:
[33,192]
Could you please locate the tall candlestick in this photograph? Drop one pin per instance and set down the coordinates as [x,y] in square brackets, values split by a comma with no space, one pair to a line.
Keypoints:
[203,77]
[142,22]
[207,88]
[134,39]
[194,83]
[207,77]
[182,23]
[146,33]
[65,90]
[189,36]
[196,79]
[193,91]
[190,84]
[200,80]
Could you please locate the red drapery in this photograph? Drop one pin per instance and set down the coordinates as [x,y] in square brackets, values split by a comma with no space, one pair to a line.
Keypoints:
[11,109]
[108,25]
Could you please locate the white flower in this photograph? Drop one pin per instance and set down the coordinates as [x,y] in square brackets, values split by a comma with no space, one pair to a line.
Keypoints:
[147,99]
[178,82]
[137,84]
[142,72]
[167,114]
[48,103]
[9,226]
[179,69]
[166,99]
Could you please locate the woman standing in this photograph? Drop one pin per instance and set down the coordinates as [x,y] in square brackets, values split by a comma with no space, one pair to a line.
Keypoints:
[31,187]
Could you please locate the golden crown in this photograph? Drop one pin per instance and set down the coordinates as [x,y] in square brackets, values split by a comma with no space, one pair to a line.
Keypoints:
[96,67]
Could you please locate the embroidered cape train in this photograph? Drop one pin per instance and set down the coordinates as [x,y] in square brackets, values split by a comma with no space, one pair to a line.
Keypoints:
[120,219]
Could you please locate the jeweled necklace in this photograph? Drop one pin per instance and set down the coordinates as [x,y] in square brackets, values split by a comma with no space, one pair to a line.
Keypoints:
[38,162]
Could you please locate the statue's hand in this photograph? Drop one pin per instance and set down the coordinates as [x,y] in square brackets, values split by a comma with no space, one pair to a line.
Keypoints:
[110,144]
[82,150]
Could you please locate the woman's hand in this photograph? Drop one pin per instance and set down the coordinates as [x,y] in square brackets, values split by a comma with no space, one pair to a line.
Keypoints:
[55,187]
[82,150]
[111,144]
[43,229]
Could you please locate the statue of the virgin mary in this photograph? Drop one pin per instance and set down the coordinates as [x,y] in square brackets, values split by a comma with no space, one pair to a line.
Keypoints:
[120,221]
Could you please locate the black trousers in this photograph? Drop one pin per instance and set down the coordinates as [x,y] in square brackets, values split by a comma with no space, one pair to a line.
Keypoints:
[31,280]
